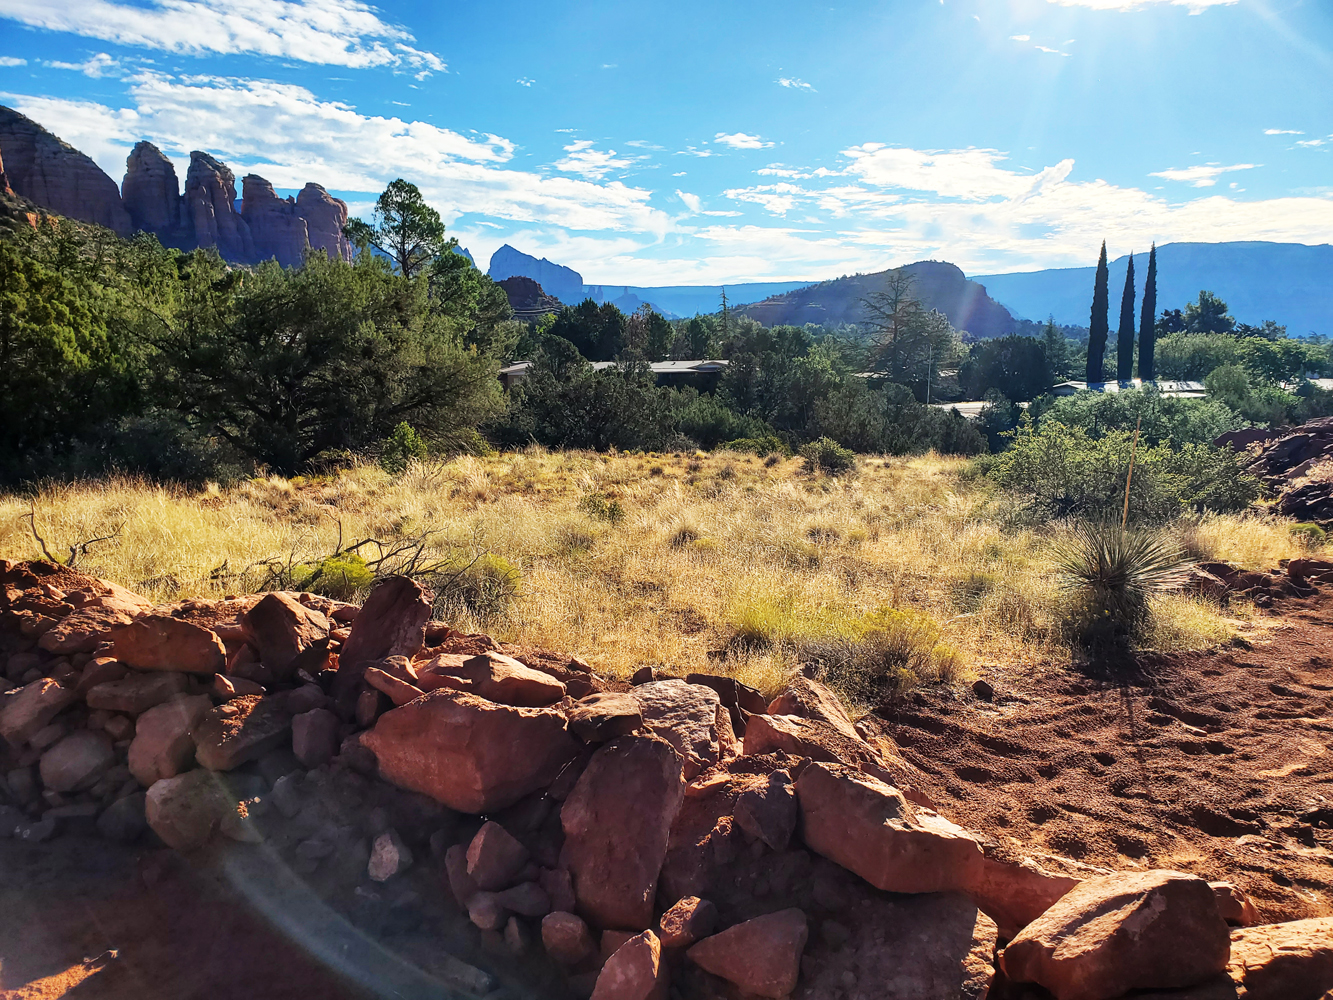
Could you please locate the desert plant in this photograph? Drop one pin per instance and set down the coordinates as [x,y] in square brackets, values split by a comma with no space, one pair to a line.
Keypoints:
[486,585]
[401,447]
[826,455]
[602,508]
[1110,574]
[1309,535]
[883,652]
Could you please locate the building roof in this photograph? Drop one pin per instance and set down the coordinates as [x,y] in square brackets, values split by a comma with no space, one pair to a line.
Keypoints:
[1167,387]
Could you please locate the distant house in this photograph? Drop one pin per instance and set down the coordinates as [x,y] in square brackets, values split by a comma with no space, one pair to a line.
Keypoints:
[1165,386]
[666,371]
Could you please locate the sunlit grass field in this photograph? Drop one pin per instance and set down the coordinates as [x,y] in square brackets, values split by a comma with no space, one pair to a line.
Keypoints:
[722,562]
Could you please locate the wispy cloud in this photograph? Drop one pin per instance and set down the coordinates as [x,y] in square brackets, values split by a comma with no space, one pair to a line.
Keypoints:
[1282,131]
[523,81]
[582,159]
[793,83]
[97,66]
[740,140]
[1050,51]
[12,61]
[328,32]
[1195,6]
[1204,175]
[1020,38]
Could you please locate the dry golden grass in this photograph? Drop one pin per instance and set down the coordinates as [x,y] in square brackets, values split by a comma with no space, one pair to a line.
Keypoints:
[703,549]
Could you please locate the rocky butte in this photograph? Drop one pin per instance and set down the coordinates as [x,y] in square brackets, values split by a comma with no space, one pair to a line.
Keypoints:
[51,173]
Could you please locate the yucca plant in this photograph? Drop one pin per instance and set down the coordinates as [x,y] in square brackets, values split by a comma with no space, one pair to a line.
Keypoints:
[1110,573]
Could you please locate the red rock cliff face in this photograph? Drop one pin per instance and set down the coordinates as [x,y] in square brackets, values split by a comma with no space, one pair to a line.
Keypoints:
[151,191]
[325,217]
[210,209]
[4,181]
[276,225]
[55,175]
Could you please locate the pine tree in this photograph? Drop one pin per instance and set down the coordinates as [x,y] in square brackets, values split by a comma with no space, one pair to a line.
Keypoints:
[1100,324]
[1148,322]
[1124,345]
[1057,349]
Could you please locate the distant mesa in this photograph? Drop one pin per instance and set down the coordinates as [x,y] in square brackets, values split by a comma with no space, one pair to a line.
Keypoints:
[564,283]
[57,177]
[937,285]
[527,299]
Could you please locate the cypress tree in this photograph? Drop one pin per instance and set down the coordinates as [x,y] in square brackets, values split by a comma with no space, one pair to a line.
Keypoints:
[1100,324]
[1124,345]
[1148,322]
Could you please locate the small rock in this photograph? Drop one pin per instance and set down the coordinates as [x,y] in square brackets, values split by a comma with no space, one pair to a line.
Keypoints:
[136,693]
[32,708]
[306,698]
[314,736]
[495,677]
[160,642]
[389,856]
[391,622]
[634,972]
[559,888]
[768,812]
[566,938]
[461,884]
[241,730]
[77,761]
[185,811]
[526,899]
[399,691]
[120,727]
[983,690]
[690,920]
[1236,908]
[368,707]
[762,956]
[517,937]
[226,687]
[102,670]
[1289,961]
[163,746]
[124,819]
[686,716]
[280,628]
[600,718]
[494,858]
[484,910]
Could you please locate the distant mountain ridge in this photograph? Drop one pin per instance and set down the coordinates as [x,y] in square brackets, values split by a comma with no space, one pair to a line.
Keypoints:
[1290,283]
[936,284]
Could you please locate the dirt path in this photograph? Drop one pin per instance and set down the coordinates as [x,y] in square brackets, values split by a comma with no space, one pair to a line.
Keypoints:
[1216,763]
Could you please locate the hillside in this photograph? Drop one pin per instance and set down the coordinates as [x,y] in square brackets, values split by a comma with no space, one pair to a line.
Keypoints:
[939,285]
[1285,282]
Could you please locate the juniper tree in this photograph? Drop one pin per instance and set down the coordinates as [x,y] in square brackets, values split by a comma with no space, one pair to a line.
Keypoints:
[1148,322]
[1099,326]
[1124,345]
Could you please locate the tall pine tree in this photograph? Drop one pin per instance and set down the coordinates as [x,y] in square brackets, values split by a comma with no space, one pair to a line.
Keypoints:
[1148,322]
[1100,324]
[1124,337]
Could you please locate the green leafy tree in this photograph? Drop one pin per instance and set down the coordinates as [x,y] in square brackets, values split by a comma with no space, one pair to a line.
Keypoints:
[403,228]
[1208,315]
[1015,366]
[598,331]
[1055,345]
[1099,326]
[1125,332]
[1148,322]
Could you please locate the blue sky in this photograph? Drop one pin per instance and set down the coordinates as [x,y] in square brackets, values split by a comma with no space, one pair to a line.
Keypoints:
[715,142]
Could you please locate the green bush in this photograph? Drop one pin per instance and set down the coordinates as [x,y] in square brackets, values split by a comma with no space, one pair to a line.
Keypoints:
[882,653]
[342,577]
[602,508]
[401,447]
[1310,535]
[826,455]
[767,445]
[486,585]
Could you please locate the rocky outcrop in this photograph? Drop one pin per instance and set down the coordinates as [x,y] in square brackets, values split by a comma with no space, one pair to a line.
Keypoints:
[325,217]
[210,207]
[151,192]
[276,227]
[4,181]
[53,174]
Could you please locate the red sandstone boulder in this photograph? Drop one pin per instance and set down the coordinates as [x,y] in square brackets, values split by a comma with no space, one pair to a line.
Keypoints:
[241,730]
[77,761]
[871,829]
[392,622]
[616,822]
[455,870]
[160,642]
[567,938]
[314,736]
[163,746]
[281,628]
[809,699]
[1291,961]
[762,956]
[83,630]
[686,716]
[767,812]
[29,711]
[136,692]
[604,716]
[634,972]
[816,740]
[1236,908]
[688,921]
[398,691]
[1110,935]
[495,677]
[1014,893]
[185,811]
[494,858]
[470,754]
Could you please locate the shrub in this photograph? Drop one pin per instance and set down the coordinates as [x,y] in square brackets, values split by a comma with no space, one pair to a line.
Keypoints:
[401,447]
[826,455]
[342,577]
[602,508]
[1110,574]
[1310,535]
[485,585]
[768,445]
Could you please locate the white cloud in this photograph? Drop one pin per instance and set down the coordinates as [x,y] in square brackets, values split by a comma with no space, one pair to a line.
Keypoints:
[739,140]
[1204,175]
[1020,38]
[1282,131]
[523,81]
[691,151]
[691,201]
[594,164]
[284,133]
[12,61]
[793,83]
[969,174]
[328,32]
[1195,6]
[1051,51]
[97,66]
[1312,142]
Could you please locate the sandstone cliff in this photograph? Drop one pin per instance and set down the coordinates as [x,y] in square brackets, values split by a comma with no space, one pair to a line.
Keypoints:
[324,217]
[151,191]
[4,181]
[210,206]
[276,227]
[55,175]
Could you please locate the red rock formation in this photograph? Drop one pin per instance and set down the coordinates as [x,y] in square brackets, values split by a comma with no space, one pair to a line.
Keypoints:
[55,175]
[275,224]
[4,181]
[324,217]
[210,208]
[151,190]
